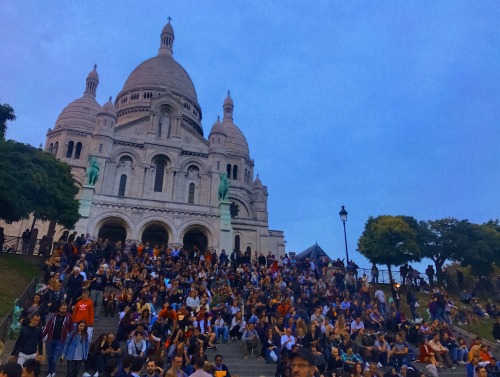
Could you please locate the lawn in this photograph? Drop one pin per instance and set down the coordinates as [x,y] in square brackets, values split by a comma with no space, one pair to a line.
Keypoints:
[16,271]
[483,329]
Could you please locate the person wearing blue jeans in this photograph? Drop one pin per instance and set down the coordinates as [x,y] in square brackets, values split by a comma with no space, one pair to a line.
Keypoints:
[97,287]
[400,353]
[221,329]
[57,330]
[271,343]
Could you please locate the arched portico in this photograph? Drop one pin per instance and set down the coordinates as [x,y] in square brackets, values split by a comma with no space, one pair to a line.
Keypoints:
[195,235]
[155,232]
[113,228]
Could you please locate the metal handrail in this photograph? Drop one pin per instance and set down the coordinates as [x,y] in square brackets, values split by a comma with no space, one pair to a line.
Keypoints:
[16,245]
[22,301]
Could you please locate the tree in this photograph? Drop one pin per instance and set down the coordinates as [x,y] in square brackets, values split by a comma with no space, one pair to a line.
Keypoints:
[446,239]
[6,113]
[35,182]
[390,241]
[483,248]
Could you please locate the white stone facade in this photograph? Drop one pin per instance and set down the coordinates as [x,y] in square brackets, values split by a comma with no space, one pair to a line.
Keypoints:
[159,175]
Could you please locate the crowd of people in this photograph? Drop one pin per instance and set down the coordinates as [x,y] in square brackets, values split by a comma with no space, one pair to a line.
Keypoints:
[172,305]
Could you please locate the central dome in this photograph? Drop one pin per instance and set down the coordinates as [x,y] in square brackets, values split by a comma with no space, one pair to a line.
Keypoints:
[164,72]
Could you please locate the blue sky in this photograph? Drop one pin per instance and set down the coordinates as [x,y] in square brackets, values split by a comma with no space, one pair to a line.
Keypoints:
[386,107]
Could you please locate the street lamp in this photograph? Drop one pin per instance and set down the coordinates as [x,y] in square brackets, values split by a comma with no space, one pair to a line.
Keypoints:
[343,217]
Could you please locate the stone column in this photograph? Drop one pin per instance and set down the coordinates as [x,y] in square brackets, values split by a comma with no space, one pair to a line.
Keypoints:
[84,210]
[226,229]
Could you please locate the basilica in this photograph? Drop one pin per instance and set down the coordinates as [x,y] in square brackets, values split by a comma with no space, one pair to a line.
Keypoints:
[157,174]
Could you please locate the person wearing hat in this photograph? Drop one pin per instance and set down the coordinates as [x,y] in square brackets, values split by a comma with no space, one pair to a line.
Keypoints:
[302,363]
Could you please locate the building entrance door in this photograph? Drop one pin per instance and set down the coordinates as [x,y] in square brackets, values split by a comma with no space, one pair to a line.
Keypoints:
[155,234]
[114,231]
[195,238]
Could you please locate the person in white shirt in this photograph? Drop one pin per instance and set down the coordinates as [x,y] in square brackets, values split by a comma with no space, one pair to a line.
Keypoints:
[356,325]
[287,340]
[137,346]
[380,296]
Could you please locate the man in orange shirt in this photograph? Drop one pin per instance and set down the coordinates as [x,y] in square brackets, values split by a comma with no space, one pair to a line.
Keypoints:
[84,311]
[169,315]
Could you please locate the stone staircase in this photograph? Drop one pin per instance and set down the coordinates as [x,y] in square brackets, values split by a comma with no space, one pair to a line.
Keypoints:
[233,358]
[104,324]
[231,352]
[251,367]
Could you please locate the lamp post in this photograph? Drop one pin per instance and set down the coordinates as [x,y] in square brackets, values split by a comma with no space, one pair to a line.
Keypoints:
[343,217]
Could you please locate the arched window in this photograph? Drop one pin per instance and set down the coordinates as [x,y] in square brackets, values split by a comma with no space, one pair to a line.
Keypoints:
[78,150]
[126,160]
[218,165]
[235,172]
[56,147]
[191,193]
[69,152]
[123,184]
[160,166]
[237,243]
[249,251]
[228,171]
[51,148]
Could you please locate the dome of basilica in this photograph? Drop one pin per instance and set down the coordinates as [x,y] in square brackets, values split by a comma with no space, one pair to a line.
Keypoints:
[236,141]
[81,113]
[163,72]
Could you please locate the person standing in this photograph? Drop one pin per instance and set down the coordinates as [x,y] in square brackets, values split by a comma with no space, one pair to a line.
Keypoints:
[176,369]
[76,349]
[29,345]
[84,311]
[97,287]
[74,287]
[56,330]
[2,239]
[26,237]
[199,365]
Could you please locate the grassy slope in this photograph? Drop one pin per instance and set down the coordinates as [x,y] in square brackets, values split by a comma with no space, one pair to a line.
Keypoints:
[16,271]
[483,329]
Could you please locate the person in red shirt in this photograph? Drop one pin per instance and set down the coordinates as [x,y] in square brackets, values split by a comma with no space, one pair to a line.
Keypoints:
[84,311]
[169,315]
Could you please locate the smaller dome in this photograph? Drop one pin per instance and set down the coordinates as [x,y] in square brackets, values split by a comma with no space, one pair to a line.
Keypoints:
[79,114]
[217,127]
[236,141]
[93,74]
[228,101]
[168,29]
[108,108]
[257,184]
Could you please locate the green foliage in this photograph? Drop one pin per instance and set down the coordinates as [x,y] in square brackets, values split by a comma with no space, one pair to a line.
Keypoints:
[483,248]
[16,271]
[460,241]
[6,113]
[390,240]
[445,240]
[32,181]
